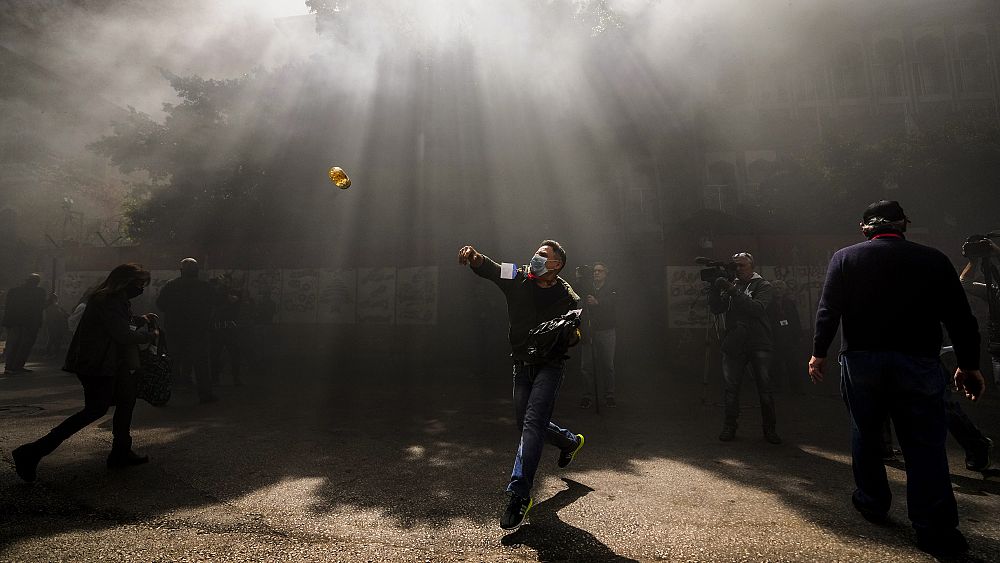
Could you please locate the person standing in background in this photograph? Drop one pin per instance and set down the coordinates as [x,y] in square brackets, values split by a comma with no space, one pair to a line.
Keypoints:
[22,318]
[187,303]
[597,348]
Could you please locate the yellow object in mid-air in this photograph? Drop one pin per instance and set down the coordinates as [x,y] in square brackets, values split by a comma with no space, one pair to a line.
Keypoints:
[340,178]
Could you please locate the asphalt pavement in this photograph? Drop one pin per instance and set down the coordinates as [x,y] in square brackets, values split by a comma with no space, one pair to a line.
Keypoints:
[316,463]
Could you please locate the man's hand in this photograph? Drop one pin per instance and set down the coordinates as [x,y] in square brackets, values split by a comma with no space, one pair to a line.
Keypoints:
[591,300]
[722,284]
[152,319]
[468,255]
[971,383]
[816,369]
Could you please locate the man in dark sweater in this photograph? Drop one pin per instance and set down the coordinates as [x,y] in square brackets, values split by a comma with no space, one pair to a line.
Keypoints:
[535,294]
[892,296]
[748,343]
[186,303]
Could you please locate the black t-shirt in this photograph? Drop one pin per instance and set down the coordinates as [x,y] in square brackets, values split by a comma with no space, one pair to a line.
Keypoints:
[528,305]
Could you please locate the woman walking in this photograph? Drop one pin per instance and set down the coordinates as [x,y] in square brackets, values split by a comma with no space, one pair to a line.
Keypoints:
[104,354]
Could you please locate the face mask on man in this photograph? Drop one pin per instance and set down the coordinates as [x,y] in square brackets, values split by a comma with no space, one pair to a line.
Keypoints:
[133,291]
[537,265]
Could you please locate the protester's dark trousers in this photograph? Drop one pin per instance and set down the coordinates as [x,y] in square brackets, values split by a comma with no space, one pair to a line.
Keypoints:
[911,391]
[99,394]
[20,341]
[190,352]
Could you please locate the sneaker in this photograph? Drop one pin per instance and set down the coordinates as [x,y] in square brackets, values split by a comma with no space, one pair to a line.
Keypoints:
[610,402]
[517,509]
[950,542]
[127,459]
[981,459]
[565,457]
[586,403]
[728,433]
[25,462]
[771,436]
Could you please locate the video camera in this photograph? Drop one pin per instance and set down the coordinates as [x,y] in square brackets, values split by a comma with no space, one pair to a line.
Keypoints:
[979,246]
[716,269]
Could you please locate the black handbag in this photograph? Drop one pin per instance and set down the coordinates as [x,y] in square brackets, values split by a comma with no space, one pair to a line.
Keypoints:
[155,374]
[551,339]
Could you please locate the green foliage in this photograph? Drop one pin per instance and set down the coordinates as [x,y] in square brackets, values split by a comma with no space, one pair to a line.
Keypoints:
[202,162]
[943,175]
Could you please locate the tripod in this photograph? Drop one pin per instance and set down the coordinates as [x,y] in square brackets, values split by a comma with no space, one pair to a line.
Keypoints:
[585,281]
[713,334]
[593,364]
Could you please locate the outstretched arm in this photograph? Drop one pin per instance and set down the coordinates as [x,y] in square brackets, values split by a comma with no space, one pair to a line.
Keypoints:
[469,256]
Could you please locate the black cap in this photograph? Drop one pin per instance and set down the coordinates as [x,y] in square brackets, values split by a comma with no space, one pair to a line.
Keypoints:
[884,211]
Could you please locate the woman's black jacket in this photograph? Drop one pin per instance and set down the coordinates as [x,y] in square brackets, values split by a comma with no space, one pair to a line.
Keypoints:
[104,342]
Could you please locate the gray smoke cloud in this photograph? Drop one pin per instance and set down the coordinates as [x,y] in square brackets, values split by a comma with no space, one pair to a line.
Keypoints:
[536,93]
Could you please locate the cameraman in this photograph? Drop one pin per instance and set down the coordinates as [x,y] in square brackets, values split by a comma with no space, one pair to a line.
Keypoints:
[979,289]
[748,342]
[597,349]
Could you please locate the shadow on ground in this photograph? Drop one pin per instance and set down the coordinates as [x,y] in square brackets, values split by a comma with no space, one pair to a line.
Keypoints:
[425,449]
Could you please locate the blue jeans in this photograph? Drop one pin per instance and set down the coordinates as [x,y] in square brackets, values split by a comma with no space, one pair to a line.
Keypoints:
[733,367]
[911,391]
[535,391]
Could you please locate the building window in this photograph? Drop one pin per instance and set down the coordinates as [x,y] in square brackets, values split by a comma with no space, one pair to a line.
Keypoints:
[760,171]
[641,207]
[721,188]
[887,68]
[972,66]
[932,71]
[849,72]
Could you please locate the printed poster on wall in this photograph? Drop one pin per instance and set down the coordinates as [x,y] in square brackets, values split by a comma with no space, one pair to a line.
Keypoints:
[376,295]
[233,278]
[259,282]
[72,285]
[298,296]
[337,296]
[417,295]
[687,303]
